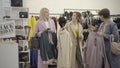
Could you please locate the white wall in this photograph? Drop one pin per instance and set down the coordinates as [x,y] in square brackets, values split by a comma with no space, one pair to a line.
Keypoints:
[57,6]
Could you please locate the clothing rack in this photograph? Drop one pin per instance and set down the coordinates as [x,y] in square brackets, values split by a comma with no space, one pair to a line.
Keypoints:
[50,13]
[115,15]
[97,10]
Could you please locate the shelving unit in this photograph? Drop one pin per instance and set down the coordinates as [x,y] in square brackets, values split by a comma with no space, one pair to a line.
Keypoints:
[13,13]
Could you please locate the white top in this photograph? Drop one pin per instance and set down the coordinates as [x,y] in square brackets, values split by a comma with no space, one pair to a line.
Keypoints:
[47,24]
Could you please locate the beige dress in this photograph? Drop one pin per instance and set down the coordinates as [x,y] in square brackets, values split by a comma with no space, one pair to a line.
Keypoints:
[64,49]
[71,29]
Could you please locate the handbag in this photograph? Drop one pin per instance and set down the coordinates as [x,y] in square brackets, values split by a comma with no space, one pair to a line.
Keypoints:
[35,42]
[115,46]
[23,14]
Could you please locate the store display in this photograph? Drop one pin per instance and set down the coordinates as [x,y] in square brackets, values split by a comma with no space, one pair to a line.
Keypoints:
[16,3]
[20,48]
[41,45]
[18,27]
[23,14]
[23,57]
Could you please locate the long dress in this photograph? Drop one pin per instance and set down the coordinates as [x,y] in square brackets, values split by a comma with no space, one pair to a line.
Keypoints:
[111,28]
[70,27]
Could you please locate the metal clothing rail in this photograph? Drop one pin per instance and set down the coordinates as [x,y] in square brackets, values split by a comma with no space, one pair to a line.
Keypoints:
[50,13]
[115,15]
[82,9]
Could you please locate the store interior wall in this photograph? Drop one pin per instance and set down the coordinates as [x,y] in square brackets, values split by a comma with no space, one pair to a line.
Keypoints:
[58,6]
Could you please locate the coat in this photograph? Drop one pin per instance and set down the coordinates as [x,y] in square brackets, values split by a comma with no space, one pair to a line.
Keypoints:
[64,49]
[111,28]
[39,28]
[70,28]
[95,55]
[48,46]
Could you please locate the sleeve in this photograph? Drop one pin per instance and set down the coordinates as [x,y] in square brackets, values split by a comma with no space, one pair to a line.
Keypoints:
[115,33]
[113,30]
[36,30]
[107,36]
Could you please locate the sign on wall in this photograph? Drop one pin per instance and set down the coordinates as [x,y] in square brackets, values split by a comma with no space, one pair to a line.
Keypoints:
[7,29]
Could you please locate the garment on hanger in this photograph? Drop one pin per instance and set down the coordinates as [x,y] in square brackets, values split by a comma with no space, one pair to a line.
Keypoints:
[48,44]
[117,21]
[55,21]
[31,23]
[95,55]
[62,21]
[64,49]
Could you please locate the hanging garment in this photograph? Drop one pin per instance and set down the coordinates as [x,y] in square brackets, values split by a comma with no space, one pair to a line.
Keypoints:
[64,49]
[39,28]
[62,21]
[95,56]
[71,29]
[31,23]
[48,44]
[55,21]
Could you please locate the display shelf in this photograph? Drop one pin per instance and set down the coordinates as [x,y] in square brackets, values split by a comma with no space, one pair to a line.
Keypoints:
[23,54]
[15,18]
[24,51]
[20,32]
[14,12]
[24,62]
[17,14]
